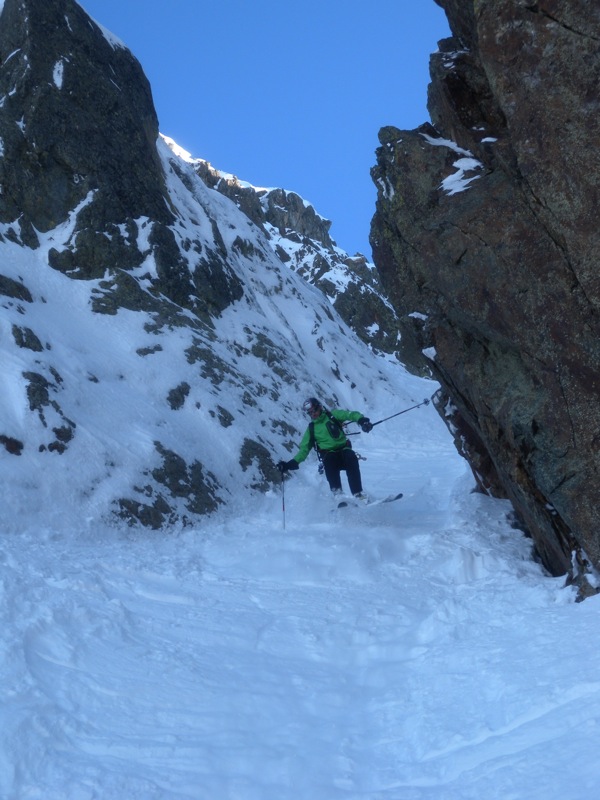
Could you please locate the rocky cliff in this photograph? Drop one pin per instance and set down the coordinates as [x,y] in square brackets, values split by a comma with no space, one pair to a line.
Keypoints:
[486,237]
[79,130]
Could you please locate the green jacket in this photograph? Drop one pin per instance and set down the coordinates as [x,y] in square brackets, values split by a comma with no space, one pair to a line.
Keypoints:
[328,435]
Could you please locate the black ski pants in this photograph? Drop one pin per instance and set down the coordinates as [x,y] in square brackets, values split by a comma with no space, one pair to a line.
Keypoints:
[334,461]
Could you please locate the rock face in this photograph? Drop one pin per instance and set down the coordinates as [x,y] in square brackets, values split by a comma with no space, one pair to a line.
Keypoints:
[63,147]
[487,240]
[486,237]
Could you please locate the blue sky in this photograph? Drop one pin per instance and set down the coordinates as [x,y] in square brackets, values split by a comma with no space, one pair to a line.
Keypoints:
[288,94]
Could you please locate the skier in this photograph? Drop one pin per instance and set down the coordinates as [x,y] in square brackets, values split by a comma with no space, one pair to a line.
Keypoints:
[326,435]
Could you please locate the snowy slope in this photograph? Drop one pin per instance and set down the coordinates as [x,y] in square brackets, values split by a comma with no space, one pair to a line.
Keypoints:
[90,395]
[413,651]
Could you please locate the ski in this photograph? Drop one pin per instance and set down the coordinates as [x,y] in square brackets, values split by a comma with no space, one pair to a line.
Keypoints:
[389,499]
[353,503]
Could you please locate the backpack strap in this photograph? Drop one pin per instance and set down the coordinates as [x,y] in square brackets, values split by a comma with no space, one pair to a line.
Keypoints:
[313,442]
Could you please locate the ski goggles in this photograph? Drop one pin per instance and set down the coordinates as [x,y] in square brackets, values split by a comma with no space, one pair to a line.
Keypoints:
[311,408]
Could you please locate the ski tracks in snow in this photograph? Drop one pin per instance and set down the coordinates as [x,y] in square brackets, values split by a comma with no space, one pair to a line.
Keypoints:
[382,655]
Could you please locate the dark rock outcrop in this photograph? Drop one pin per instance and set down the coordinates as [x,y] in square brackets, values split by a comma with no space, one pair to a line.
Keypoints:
[486,238]
[65,146]
[78,131]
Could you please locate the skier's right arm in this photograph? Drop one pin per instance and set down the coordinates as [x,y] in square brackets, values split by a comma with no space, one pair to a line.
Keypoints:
[305,447]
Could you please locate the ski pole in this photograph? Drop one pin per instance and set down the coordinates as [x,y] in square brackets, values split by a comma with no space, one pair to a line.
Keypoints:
[424,403]
[283,498]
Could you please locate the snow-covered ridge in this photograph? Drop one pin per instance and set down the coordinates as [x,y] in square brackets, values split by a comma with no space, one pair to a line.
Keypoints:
[229,177]
[110,37]
[299,237]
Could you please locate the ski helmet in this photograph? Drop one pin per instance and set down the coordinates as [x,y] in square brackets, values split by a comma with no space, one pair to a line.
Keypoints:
[312,406]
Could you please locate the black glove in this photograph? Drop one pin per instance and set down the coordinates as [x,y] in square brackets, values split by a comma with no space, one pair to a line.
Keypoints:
[366,424]
[284,466]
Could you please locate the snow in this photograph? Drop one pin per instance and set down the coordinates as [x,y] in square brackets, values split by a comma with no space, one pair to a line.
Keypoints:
[57,74]
[179,151]
[14,52]
[263,191]
[386,188]
[409,651]
[440,142]
[283,648]
[460,181]
[110,37]
[113,40]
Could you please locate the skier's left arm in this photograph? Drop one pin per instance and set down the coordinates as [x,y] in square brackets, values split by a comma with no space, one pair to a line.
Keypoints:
[353,416]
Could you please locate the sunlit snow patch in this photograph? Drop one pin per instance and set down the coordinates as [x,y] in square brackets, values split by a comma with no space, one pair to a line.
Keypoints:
[460,180]
[113,40]
[57,74]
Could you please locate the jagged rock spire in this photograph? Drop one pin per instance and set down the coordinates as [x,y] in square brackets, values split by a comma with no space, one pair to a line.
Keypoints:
[76,116]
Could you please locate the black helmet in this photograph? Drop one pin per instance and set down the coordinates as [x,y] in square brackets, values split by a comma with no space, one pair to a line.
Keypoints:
[312,405]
